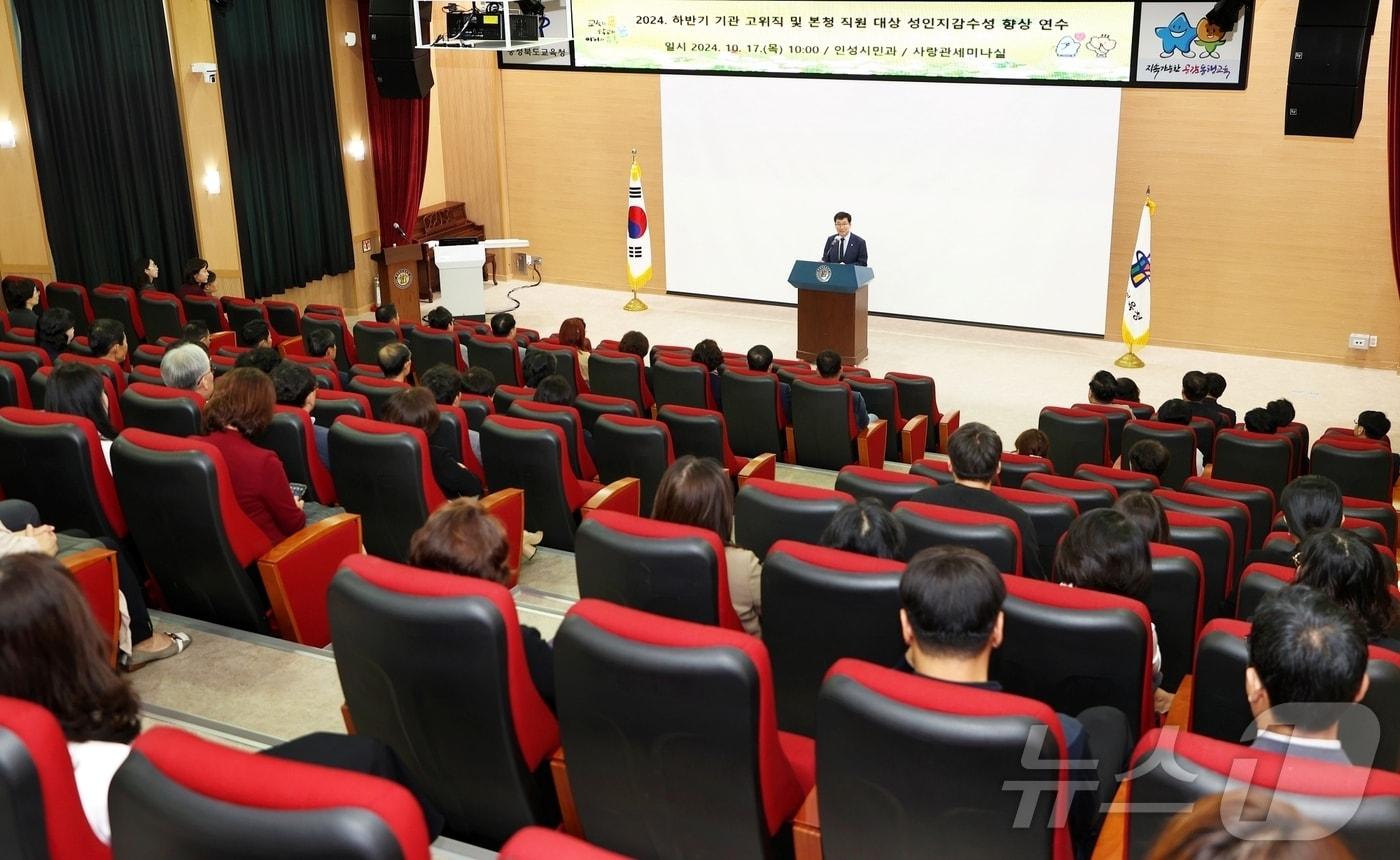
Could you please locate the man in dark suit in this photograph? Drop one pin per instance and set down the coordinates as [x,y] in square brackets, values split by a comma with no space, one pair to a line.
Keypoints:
[844,246]
[1307,658]
[975,453]
[1194,387]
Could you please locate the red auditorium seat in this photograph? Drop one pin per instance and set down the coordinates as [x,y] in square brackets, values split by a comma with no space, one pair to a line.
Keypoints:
[55,462]
[205,309]
[172,411]
[1361,467]
[291,435]
[479,746]
[14,385]
[825,432]
[767,511]
[539,843]
[369,336]
[1213,542]
[567,364]
[703,433]
[591,407]
[1076,437]
[431,348]
[820,605]
[1050,514]
[45,818]
[162,315]
[1176,602]
[505,395]
[907,435]
[937,525]
[116,302]
[891,488]
[178,795]
[383,473]
[678,381]
[241,311]
[1015,468]
[628,684]
[939,471]
[376,390]
[108,368]
[283,317]
[620,374]
[73,298]
[145,373]
[1117,418]
[918,396]
[1258,500]
[625,446]
[567,419]
[1254,458]
[1179,441]
[332,404]
[618,556]
[753,410]
[1088,495]
[500,355]
[345,354]
[1234,514]
[1258,582]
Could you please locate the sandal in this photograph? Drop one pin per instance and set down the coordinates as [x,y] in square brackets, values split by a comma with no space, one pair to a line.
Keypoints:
[178,643]
[528,544]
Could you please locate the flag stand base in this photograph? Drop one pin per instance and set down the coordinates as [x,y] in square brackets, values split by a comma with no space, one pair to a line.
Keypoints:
[635,304]
[1128,359]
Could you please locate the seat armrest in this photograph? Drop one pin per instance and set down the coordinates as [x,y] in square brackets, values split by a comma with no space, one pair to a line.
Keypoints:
[765,465]
[807,830]
[508,506]
[298,571]
[345,716]
[913,439]
[790,455]
[95,571]
[947,426]
[623,495]
[1180,713]
[292,346]
[220,339]
[568,810]
[870,444]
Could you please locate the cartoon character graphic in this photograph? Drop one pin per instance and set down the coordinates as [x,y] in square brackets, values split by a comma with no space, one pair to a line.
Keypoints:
[1209,37]
[1102,46]
[1177,36]
[1067,47]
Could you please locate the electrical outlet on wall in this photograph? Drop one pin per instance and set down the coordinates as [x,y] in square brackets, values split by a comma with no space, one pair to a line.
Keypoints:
[1375,341]
[1359,341]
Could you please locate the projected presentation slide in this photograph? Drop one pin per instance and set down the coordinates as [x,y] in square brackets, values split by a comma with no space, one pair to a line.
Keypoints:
[1027,41]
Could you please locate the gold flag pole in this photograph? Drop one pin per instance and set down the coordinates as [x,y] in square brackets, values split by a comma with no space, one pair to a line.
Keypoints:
[634,304]
[1130,359]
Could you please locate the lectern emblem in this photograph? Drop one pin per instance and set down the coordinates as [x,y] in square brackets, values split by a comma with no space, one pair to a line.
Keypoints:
[402,279]
[823,273]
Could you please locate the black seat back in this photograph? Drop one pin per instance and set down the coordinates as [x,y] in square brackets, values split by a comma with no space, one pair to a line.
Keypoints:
[344,356]
[766,512]
[381,473]
[823,423]
[74,299]
[1180,443]
[675,573]
[683,383]
[526,455]
[1076,437]
[1362,471]
[1174,602]
[500,355]
[370,336]
[162,410]
[431,348]
[627,447]
[161,314]
[1254,458]
[929,525]
[753,411]
[619,374]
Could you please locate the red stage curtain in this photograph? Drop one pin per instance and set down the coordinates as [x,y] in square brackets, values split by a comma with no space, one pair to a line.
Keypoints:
[398,140]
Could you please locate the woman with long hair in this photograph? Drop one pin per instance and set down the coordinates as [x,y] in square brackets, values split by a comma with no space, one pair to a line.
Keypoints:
[144,274]
[1341,564]
[79,389]
[695,491]
[574,332]
[416,407]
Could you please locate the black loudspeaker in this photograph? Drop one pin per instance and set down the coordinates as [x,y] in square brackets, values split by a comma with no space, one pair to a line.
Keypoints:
[391,7]
[1337,13]
[1319,110]
[404,79]
[1329,55]
[391,37]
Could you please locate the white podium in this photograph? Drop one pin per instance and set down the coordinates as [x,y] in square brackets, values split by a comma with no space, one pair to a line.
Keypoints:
[459,275]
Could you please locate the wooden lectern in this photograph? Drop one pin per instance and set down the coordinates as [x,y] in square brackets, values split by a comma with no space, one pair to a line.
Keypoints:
[402,268]
[833,303]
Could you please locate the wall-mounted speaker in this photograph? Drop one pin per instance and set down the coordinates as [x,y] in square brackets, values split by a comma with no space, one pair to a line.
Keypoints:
[404,79]
[1327,67]
[401,69]
[391,37]
[1321,110]
[1336,13]
[1328,55]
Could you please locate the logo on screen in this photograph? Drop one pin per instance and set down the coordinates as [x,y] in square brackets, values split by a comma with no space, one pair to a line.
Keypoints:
[636,222]
[823,273]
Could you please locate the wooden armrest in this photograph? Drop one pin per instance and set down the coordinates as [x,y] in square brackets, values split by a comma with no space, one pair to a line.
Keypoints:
[345,715]
[508,506]
[947,426]
[870,444]
[298,571]
[790,456]
[913,439]
[1180,713]
[807,830]
[765,465]
[1111,844]
[219,339]
[292,346]
[623,495]
[95,571]
[568,810]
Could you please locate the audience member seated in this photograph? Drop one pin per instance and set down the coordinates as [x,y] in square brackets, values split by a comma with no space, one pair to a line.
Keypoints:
[320,343]
[107,339]
[1356,576]
[694,491]
[1304,650]
[196,280]
[867,527]
[196,332]
[829,367]
[1145,511]
[187,367]
[52,654]
[975,454]
[416,407]
[1177,411]
[708,353]
[479,381]
[573,332]
[144,274]
[760,358]
[1193,391]
[952,621]
[386,313]
[21,297]
[439,318]
[536,365]
[634,343]
[1215,386]
[255,333]
[1103,389]
[555,389]
[241,407]
[1260,420]
[1105,551]
[1282,410]
[1309,504]
[461,537]
[138,642]
[1245,825]
[1128,390]
[503,325]
[263,358]
[1149,457]
[55,332]
[1033,443]
[1369,425]
[296,387]
[446,386]
[78,389]
[396,362]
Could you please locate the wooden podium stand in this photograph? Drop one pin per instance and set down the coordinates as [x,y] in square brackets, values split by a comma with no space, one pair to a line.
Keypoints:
[402,269]
[833,303]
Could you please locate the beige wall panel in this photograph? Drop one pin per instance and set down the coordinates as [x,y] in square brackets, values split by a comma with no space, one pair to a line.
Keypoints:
[468,93]
[1262,243]
[24,246]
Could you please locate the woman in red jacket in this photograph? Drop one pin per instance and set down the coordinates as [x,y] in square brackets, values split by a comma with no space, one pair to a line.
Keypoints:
[240,408]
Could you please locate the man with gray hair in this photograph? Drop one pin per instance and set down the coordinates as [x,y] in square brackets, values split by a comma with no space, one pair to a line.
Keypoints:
[187,367]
